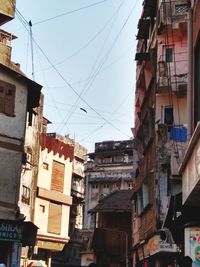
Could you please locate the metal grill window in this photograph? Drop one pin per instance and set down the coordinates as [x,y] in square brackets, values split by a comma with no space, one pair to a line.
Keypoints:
[181,9]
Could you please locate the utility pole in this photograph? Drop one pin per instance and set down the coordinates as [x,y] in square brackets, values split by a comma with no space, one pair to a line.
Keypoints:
[31,41]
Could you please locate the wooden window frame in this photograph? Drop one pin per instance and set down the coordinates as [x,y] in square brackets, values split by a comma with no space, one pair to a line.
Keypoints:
[54,218]
[169,53]
[26,195]
[57,177]
[7,98]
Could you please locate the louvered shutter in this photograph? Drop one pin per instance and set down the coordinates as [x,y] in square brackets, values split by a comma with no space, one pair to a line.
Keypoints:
[55,216]
[57,179]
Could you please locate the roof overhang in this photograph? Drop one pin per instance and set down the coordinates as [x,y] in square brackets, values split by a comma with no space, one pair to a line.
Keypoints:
[34,89]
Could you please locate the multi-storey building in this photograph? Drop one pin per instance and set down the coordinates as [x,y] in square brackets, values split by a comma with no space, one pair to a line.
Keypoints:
[160,133]
[29,175]
[53,199]
[18,97]
[190,170]
[112,236]
[109,168]
[70,255]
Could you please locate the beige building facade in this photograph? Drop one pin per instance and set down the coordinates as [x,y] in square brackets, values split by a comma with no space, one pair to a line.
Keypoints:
[18,96]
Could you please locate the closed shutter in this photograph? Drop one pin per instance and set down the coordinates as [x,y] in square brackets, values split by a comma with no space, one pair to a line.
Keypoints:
[55,216]
[7,98]
[10,100]
[2,95]
[57,179]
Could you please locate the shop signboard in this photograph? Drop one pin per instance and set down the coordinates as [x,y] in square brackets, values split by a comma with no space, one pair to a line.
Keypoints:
[10,230]
[192,243]
[191,174]
[156,245]
[146,250]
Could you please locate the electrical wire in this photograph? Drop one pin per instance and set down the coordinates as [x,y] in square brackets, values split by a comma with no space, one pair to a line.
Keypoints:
[84,46]
[100,110]
[25,23]
[104,59]
[92,74]
[70,12]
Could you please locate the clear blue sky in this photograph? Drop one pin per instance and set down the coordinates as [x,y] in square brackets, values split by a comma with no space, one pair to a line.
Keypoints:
[81,48]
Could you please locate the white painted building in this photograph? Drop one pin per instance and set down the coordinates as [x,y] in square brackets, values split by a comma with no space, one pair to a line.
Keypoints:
[18,96]
[53,200]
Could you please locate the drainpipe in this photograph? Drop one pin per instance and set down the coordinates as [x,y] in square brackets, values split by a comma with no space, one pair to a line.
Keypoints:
[190,66]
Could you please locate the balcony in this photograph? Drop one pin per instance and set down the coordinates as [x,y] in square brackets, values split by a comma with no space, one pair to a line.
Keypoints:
[7,11]
[5,46]
[77,188]
[149,8]
[170,76]
[143,29]
[78,169]
[173,13]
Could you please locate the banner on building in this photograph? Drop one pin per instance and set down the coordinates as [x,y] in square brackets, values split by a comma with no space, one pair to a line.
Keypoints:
[192,243]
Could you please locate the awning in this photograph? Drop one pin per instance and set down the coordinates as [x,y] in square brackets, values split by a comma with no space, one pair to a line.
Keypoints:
[35,263]
[29,233]
[117,201]
[178,216]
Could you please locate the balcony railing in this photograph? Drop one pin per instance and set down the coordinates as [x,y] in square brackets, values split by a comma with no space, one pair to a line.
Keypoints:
[173,75]
[173,12]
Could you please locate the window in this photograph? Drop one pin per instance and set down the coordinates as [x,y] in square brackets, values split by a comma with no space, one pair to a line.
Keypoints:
[181,9]
[45,166]
[42,209]
[107,160]
[130,186]
[55,217]
[7,98]
[169,54]
[25,195]
[169,116]
[142,198]
[57,179]
[118,159]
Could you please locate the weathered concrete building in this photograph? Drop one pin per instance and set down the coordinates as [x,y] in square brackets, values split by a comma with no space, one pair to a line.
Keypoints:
[109,168]
[18,97]
[160,133]
[111,242]
[70,256]
[53,199]
[29,176]
[190,202]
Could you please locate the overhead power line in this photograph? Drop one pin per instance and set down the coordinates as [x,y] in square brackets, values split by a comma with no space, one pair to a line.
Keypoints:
[85,45]
[97,71]
[25,23]
[92,75]
[70,12]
